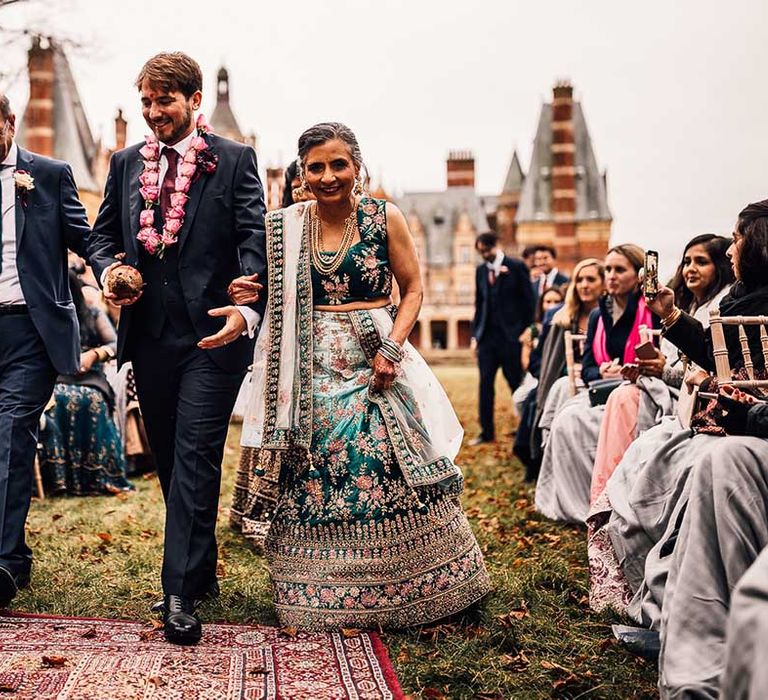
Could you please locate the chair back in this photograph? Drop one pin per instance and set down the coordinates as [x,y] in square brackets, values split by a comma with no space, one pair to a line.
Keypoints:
[573,368]
[720,349]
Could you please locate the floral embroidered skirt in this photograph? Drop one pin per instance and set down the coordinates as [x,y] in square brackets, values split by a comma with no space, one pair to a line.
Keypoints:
[351,544]
[81,452]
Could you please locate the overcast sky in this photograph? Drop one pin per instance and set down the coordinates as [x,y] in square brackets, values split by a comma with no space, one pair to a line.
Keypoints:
[674,91]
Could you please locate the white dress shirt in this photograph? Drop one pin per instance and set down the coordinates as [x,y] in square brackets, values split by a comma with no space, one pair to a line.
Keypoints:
[10,287]
[547,281]
[496,264]
[252,318]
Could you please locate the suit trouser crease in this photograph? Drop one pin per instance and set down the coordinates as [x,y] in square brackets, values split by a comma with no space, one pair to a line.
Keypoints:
[189,401]
[493,352]
[27,378]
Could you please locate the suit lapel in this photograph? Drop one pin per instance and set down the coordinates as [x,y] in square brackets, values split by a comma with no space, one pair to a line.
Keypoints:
[135,205]
[24,161]
[195,195]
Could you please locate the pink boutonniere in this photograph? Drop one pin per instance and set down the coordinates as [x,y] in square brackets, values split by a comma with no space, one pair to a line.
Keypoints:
[25,183]
[503,270]
[198,160]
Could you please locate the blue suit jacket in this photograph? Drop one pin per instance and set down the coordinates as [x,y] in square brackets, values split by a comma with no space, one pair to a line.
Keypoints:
[223,236]
[514,298]
[50,219]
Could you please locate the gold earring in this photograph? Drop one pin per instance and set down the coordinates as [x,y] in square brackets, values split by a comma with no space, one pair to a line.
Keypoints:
[357,190]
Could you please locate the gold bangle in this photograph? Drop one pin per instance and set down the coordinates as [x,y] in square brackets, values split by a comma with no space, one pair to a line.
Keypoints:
[671,318]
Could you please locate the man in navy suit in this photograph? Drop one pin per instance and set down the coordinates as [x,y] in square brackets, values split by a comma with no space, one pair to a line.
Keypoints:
[548,276]
[188,368]
[504,308]
[41,216]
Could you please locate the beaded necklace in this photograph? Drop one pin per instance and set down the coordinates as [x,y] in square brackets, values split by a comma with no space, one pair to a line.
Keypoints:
[323,264]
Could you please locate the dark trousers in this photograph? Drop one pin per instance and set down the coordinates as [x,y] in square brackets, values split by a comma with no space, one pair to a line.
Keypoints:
[26,384]
[494,351]
[186,401]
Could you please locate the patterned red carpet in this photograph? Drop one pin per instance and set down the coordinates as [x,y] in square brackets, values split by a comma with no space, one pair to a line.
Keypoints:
[68,659]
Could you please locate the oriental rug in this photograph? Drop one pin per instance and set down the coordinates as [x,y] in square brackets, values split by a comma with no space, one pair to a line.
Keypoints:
[43,658]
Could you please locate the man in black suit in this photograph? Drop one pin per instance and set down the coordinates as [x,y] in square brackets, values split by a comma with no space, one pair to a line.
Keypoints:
[548,276]
[503,310]
[188,369]
[40,217]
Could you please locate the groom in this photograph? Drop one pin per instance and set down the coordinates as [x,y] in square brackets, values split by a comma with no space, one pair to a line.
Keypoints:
[187,210]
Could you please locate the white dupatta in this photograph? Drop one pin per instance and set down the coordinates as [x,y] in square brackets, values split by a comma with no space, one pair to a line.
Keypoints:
[423,428]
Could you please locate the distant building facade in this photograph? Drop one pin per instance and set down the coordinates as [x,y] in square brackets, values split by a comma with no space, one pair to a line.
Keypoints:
[562,202]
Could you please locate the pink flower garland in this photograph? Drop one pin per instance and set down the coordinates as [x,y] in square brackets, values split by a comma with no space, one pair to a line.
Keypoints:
[155,243]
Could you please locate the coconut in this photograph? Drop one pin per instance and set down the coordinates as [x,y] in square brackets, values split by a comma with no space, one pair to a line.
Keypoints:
[125,282]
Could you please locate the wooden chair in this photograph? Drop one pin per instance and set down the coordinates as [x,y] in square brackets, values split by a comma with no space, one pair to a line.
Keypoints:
[720,350]
[573,367]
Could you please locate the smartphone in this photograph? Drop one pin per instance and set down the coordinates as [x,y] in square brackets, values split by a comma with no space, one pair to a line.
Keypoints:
[651,277]
[645,351]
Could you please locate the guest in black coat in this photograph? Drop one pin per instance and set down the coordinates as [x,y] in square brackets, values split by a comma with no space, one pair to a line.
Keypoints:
[504,307]
[548,276]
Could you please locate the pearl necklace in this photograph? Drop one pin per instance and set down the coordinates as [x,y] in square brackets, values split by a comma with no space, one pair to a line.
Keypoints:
[321,263]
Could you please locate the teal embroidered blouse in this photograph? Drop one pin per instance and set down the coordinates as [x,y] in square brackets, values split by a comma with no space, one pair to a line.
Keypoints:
[364,274]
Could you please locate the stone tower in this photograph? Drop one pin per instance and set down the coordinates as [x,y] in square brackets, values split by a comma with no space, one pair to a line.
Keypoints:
[223,121]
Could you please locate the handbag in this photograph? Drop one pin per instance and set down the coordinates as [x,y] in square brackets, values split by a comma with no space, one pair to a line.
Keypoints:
[601,389]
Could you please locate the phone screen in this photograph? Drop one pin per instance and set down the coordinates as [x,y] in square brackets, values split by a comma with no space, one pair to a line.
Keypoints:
[651,279]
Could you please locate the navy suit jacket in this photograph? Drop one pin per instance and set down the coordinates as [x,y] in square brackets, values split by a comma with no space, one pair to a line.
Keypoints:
[49,219]
[223,236]
[514,299]
[559,281]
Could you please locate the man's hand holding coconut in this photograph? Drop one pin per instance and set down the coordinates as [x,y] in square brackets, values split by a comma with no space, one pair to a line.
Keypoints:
[123,284]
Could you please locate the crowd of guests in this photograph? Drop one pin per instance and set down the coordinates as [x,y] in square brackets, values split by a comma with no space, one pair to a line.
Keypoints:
[673,490]
[91,436]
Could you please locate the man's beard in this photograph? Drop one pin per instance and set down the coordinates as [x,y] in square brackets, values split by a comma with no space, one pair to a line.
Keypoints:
[182,130]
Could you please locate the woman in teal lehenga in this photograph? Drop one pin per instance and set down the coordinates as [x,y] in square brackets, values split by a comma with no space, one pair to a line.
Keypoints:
[348,476]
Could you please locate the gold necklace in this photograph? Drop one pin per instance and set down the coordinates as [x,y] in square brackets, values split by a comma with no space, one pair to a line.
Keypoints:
[323,264]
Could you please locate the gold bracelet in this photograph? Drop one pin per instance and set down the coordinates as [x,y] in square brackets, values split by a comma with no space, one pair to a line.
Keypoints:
[671,318]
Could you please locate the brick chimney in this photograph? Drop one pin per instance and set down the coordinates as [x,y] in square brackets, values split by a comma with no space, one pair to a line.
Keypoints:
[564,171]
[121,127]
[38,117]
[461,169]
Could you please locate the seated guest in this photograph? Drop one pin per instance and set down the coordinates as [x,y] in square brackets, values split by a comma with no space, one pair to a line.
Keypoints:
[545,261]
[562,491]
[548,359]
[746,674]
[649,490]
[548,302]
[702,278]
[723,530]
[81,452]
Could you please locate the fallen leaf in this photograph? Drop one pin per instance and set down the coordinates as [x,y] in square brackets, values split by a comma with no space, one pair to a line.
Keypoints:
[54,661]
[56,516]
[290,632]
[156,624]
[403,656]
[518,662]
[157,681]
[90,633]
[518,613]
[433,694]
[104,537]
[349,632]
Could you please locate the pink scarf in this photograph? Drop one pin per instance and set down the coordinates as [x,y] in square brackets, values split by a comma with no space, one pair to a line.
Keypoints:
[643,317]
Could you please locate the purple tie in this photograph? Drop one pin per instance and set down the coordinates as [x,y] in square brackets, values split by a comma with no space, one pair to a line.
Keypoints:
[169,181]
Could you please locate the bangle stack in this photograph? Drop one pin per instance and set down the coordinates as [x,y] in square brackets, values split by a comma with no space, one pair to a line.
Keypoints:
[671,318]
[390,350]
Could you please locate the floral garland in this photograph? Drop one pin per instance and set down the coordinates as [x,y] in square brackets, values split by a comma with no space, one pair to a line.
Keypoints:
[197,160]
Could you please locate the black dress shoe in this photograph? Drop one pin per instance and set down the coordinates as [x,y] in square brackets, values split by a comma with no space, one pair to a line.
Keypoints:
[182,626]
[213,591]
[10,585]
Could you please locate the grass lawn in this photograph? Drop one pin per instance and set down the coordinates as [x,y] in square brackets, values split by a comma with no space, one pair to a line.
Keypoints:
[533,637]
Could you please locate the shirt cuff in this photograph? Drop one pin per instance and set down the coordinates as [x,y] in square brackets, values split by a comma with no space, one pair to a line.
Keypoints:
[252,320]
[102,279]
